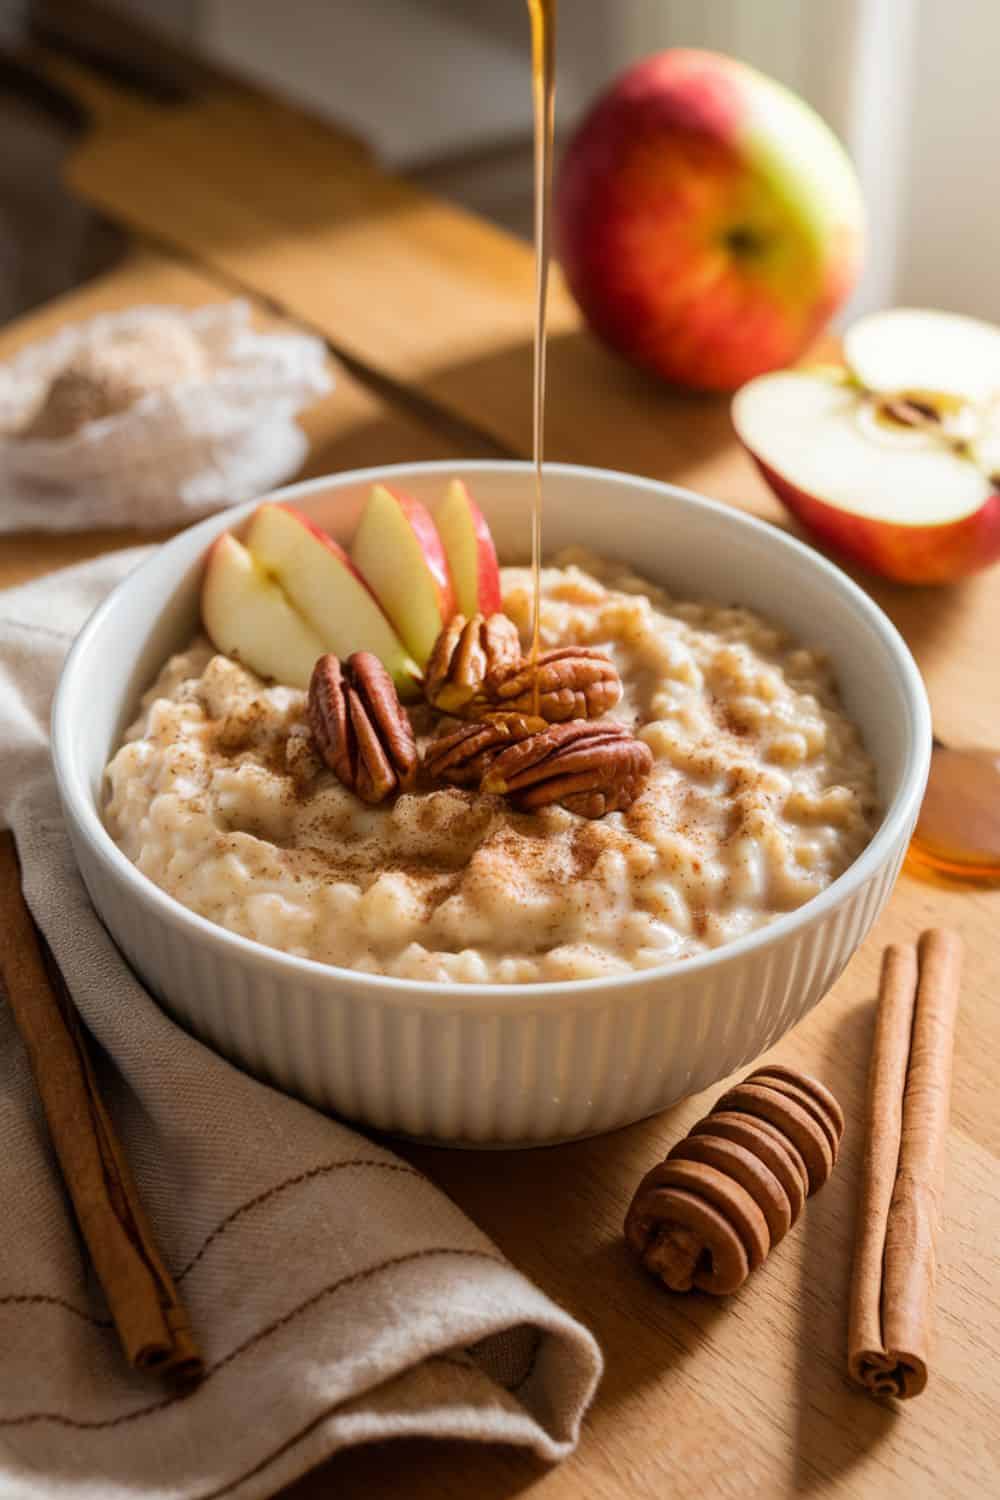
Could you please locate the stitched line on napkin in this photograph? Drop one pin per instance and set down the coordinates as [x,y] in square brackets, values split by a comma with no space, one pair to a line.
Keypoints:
[532,1362]
[311,1426]
[32,629]
[353,1279]
[290,1182]
[33,1298]
[28,1298]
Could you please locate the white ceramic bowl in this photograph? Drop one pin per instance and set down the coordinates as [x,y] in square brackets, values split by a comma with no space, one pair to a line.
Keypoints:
[491,1064]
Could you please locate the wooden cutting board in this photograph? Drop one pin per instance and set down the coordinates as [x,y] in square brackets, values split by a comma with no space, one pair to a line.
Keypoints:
[739,1398]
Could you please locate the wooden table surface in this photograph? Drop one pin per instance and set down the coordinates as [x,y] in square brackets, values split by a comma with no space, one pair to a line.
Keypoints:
[735,1398]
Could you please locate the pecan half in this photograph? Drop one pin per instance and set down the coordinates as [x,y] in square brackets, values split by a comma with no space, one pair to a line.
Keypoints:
[591,769]
[574,682]
[463,755]
[360,728]
[464,654]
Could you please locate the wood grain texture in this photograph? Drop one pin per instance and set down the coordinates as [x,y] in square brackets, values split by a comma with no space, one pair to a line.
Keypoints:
[745,1396]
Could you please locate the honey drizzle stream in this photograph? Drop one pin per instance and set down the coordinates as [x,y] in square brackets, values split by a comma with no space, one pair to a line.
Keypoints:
[543,88]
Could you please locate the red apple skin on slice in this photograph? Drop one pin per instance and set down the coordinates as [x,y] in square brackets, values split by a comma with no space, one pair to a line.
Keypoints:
[326,588]
[398,551]
[248,617]
[906,554]
[472,557]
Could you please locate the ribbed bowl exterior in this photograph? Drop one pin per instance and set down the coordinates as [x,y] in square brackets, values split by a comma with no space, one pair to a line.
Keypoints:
[499,1075]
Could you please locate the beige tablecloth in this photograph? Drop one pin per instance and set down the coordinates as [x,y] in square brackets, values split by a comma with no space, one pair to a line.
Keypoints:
[338,1296]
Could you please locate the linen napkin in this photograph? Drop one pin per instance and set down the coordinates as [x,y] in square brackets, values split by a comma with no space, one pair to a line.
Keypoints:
[337,1295]
[181,451]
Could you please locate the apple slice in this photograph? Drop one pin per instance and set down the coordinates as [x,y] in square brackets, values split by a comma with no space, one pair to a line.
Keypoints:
[919,351]
[398,550]
[472,557]
[249,618]
[894,497]
[324,586]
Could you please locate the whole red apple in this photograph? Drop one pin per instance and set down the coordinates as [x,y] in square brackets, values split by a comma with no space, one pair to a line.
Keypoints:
[708,221]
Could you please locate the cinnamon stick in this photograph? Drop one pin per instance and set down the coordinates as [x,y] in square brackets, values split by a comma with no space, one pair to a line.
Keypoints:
[152,1323]
[909,1089]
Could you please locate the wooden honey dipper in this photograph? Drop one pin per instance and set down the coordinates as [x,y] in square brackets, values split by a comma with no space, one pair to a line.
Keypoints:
[707,1215]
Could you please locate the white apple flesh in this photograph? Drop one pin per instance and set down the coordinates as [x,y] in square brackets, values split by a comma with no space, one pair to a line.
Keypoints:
[249,618]
[322,584]
[472,557]
[908,349]
[895,498]
[398,551]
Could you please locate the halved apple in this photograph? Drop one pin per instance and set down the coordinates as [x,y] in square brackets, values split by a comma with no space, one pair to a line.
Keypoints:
[914,350]
[874,475]
[249,618]
[398,551]
[472,557]
[323,584]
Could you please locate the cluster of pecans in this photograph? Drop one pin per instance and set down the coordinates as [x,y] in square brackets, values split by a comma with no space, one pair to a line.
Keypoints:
[530,731]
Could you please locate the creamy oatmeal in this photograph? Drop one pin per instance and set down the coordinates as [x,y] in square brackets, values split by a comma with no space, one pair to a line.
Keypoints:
[761,794]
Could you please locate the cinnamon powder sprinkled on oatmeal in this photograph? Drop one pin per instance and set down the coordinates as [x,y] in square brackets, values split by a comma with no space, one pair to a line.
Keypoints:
[473,888]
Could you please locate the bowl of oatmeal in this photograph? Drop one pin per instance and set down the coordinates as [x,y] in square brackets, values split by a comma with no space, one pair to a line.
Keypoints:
[476,968]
